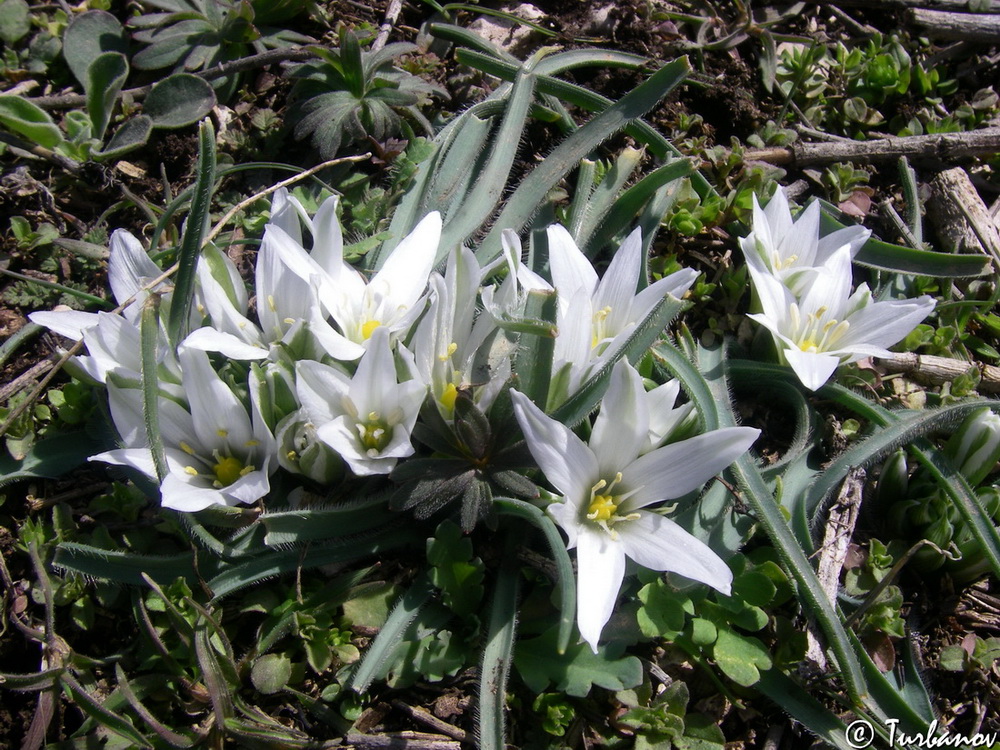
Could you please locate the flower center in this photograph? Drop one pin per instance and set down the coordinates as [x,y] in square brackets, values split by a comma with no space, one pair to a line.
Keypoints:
[603,508]
[598,333]
[368,328]
[449,396]
[374,433]
[815,332]
[228,470]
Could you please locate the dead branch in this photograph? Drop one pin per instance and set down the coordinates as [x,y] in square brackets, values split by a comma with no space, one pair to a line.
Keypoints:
[933,370]
[402,741]
[833,552]
[955,5]
[944,147]
[966,27]
[962,220]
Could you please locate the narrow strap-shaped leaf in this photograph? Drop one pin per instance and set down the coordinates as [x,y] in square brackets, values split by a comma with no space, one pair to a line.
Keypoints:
[194,232]
[389,637]
[603,197]
[526,199]
[533,360]
[149,331]
[104,717]
[587,100]
[579,209]
[581,403]
[316,524]
[122,567]
[234,577]
[498,653]
[560,556]
[901,259]
[622,212]
[954,485]
[481,201]
[34,681]
[794,699]
[167,735]
[209,661]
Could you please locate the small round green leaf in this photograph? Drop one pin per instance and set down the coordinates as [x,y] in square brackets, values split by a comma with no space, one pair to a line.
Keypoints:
[271,673]
[740,657]
[14,20]
[179,100]
[87,37]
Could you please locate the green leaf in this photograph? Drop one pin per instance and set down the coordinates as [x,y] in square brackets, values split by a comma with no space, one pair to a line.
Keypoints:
[524,202]
[122,567]
[149,331]
[793,697]
[576,671]
[102,715]
[533,359]
[194,232]
[315,524]
[179,100]
[105,76]
[35,681]
[131,134]
[87,37]
[497,652]
[15,20]
[24,118]
[270,673]
[48,458]
[384,646]
[369,607]
[740,657]
[662,613]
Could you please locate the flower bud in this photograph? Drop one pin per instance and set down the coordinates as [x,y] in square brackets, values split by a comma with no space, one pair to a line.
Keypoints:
[301,452]
[975,446]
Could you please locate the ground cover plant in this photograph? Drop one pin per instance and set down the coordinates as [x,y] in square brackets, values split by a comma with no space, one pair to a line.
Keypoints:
[432,376]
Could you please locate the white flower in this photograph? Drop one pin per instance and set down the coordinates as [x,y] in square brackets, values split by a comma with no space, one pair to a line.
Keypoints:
[608,486]
[112,340]
[390,299]
[449,341]
[826,325]
[216,453]
[787,248]
[367,419]
[595,317]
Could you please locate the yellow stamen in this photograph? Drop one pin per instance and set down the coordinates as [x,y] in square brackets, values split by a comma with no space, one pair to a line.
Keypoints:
[191,470]
[449,396]
[222,433]
[602,508]
[369,328]
[187,448]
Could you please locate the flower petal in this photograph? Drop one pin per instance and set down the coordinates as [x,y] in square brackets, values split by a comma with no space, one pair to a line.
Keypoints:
[572,273]
[601,569]
[812,368]
[678,468]
[622,426]
[658,543]
[565,460]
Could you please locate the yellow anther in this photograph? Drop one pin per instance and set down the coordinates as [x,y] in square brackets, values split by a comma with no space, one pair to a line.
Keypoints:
[292,456]
[252,443]
[270,302]
[248,469]
[602,508]
[369,328]
[191,470]
[449,397]
[187,448]
[222,433]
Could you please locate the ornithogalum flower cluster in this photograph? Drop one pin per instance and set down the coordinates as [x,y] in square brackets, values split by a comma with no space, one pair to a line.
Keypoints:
[803,285]
[321,377]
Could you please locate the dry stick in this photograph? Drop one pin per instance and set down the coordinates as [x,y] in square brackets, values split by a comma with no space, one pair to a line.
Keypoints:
[425,717]
[939,370]
[944,147]
[965,27]
[836,540]
[391,14]
[958,5]
[68,101]
[75,349]
[402,741]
